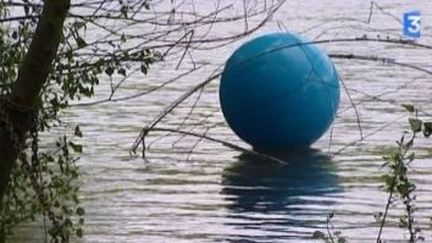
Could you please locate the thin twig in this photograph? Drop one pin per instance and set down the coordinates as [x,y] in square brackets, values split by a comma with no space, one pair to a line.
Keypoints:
[354,107]
[383,220]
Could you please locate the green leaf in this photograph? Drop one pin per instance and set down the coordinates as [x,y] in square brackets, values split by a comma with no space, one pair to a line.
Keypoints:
[109,71]
[78,132]
[408,107]
[318,235]
[342,240]
[427,129]
[122,71]
[76,147]
[416,124]
[79,233]
[79,24]
[124,10]
[387,179]
[144,69]
[80,211]
[52,232]
[80,42]
[68,222]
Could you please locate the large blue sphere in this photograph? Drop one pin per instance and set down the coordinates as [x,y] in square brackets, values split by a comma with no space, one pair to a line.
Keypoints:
[279,92]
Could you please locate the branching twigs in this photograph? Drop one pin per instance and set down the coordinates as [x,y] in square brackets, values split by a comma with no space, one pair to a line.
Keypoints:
[384,217]
[222,41]
[191,110]
[372,133]
[170,44]
[382,60]
[224,143]
[378,97]
[18,18]
[197,142]
[330,227]
[340,56]
[367,22]
[376,59]
[163,39]
[186,50]
[397,182]
[171,107]
[383,11]
[348,40]
[140,94]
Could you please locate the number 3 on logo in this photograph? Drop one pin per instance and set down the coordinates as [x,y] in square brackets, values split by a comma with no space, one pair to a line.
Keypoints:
[412,24]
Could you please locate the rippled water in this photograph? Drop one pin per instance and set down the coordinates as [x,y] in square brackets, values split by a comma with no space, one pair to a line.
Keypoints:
[215,194]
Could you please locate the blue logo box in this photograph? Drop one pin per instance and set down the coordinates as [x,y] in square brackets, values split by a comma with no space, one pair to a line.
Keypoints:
[412,24]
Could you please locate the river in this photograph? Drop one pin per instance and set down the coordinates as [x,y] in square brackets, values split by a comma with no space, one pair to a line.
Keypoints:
[215,194]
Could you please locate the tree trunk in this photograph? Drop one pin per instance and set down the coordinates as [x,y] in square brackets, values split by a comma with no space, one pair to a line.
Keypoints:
[18,110]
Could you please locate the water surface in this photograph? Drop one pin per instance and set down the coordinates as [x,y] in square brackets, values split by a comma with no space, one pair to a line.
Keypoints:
[199,191]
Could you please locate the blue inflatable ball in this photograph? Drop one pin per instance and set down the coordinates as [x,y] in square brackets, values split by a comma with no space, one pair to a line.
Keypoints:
[279,92]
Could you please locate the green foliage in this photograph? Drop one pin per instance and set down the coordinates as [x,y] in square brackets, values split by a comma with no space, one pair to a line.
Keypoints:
[427,129]
[44,183]
[397,182]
